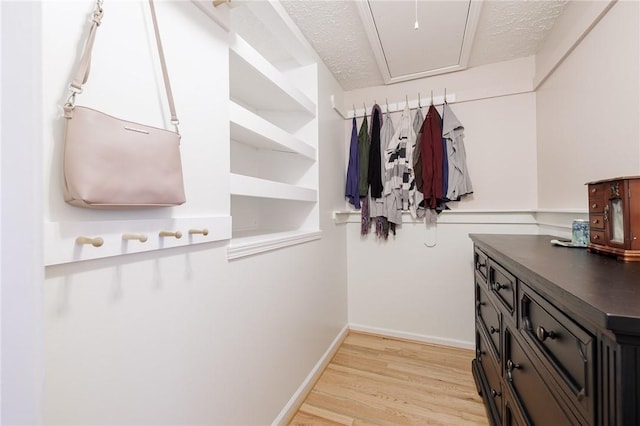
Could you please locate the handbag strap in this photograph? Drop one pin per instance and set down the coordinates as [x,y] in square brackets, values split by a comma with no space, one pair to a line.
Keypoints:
[82,73]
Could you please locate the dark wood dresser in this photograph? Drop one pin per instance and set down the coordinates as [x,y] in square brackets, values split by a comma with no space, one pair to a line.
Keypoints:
[557,333]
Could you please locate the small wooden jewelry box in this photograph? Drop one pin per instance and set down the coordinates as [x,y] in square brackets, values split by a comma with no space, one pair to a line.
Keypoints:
[614,217]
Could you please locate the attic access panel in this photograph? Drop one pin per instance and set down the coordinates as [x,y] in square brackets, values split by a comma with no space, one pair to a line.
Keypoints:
[441,44]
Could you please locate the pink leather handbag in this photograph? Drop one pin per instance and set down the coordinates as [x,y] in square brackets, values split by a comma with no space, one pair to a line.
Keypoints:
[110,163]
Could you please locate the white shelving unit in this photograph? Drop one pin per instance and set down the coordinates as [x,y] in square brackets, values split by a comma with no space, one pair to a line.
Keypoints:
[274,134]
[254,130]
[258,83]
[262,188]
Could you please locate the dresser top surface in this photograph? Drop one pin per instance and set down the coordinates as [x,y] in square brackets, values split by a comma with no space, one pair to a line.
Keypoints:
[605,290]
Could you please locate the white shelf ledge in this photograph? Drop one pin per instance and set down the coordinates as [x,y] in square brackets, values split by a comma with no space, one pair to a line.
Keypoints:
[255,82]
[61,247]
[248,243]
[251,129]
[255,187]
[489,216]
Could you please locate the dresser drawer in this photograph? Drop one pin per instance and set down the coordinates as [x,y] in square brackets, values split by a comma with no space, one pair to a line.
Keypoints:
[480,263]
[596,191]
[538,404]
[596,206]
[489,319]
[512,412]
[492,375]
[564,348]
[596,221]
[503,285]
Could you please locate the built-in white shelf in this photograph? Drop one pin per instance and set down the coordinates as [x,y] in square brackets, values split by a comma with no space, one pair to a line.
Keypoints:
[256,82]
[250,242]
[274,132]
[255,187]
[61,245]
[251,129]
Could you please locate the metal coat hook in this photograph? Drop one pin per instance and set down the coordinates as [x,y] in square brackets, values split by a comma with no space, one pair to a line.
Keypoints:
[406,100]
[419,103]
[365,108]
[354,110]
[387,102]
[445,95]
[432,97]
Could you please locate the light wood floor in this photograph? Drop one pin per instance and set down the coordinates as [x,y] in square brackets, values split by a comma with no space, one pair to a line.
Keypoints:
[378,380]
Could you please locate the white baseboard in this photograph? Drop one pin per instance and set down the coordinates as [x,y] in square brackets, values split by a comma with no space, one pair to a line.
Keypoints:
[300,395]
[413,336]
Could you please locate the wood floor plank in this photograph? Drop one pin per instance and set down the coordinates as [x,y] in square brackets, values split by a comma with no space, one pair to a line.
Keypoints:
[384,381]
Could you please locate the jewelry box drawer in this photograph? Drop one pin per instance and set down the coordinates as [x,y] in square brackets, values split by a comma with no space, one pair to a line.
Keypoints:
[489,319]
[564,348]
[597,237]
[596,221]
[503,285]
[596,206]
[596,191]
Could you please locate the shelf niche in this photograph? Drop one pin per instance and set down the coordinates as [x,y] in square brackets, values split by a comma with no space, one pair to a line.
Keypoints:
[274,136]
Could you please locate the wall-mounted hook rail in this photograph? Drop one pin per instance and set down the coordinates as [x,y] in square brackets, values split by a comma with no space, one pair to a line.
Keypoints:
[139,237]
[176,234]
[392,107]
[62,243]
[96,241]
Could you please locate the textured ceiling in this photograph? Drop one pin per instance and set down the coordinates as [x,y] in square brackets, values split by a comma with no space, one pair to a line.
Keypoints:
[512,29]
[335,31]
[506,30]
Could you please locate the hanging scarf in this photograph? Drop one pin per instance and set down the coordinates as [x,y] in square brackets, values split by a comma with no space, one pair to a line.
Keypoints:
[352,190]
[363,173]
[375,162]
[378,209]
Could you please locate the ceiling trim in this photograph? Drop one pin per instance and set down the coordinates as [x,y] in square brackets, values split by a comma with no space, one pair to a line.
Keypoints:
[368,22]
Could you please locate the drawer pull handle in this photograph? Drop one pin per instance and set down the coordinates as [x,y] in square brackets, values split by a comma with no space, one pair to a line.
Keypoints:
[594,205]
[593,190]
[493,330]
[495,393]
[542,334]
[497,286]
[595,221]
[481,265]
[596,237]
[510,367]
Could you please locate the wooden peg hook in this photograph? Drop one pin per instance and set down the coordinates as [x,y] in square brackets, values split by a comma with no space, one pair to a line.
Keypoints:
[96,242]
[139,237]
[204,231]
[176,234]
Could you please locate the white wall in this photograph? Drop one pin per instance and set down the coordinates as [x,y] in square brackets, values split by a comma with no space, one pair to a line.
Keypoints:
[182,336]
[588,111]
[20,212]
[405,288]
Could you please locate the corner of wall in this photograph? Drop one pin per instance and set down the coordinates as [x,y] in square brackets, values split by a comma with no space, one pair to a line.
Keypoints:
[578,18]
